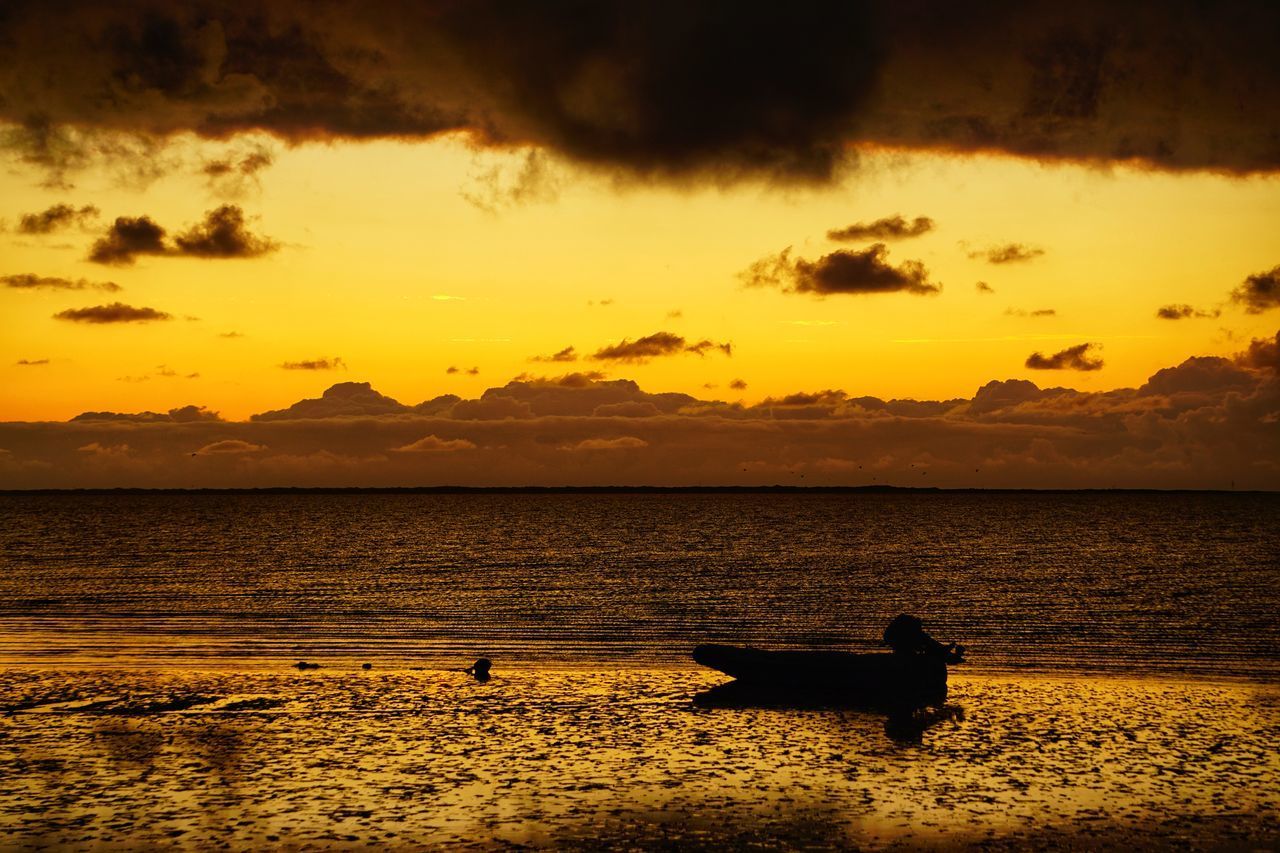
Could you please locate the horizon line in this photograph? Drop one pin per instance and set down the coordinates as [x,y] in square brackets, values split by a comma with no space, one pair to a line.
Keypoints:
[620,489]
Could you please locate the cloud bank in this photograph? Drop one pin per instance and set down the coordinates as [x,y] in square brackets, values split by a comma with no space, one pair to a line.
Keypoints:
[1209,422]
[666,90]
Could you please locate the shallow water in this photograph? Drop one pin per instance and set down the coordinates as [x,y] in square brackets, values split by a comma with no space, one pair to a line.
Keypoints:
[1122,583]
[567,758]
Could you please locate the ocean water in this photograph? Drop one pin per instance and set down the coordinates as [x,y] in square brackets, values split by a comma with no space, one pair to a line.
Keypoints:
[1179,584]
[1121,691]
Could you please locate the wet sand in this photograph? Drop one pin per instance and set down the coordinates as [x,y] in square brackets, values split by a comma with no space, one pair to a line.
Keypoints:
[122,759]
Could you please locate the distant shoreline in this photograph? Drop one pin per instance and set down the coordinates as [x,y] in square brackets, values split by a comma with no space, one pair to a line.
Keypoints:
[592,490]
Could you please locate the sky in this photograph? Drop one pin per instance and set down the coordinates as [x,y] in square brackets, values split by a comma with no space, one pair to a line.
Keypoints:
[996,245]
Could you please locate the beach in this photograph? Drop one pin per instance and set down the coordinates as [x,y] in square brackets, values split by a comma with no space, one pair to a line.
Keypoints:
[564,758]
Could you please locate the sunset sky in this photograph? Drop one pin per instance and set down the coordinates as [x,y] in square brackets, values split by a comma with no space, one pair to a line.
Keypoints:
[775,213]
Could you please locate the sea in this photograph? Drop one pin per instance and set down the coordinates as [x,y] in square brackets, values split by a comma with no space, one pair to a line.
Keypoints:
[1120,690]
[1114,582]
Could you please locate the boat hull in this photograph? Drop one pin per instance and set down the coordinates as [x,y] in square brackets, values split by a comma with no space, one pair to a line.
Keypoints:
[887,681]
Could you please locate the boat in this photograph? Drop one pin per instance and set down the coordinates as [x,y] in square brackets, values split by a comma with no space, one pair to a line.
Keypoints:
[889,681]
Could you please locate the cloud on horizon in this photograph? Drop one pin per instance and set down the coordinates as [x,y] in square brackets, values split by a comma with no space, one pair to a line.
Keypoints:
[228,446]
[1200,424]
[667,91]
[435,444]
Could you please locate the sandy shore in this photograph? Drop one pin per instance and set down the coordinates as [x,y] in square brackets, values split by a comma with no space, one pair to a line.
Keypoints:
[120,759]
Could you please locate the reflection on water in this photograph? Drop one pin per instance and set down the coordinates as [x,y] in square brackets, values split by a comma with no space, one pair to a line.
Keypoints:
[1123,583]
[905,725]
[350,758]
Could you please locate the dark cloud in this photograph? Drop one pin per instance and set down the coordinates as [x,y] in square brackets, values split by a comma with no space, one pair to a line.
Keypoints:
[890,228]
[56,218]
[656,345]
[665,90]
[738,385]
[1009,253]
[1260,292]
[116,312]
[1071,358]
[1037,312]
[1000,395]
[470,371]
[865,271]
[180,415]
[586,394]
[31,281]
[315,364]
[31,362]
[566,354]
[223,235]
[983,287]
[1262,354]
[642,349]
[1182,312]
[1198,375]
[127,238]
[346,399]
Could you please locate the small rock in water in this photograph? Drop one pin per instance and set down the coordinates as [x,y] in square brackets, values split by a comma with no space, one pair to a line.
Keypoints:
[302,664]
[366,666]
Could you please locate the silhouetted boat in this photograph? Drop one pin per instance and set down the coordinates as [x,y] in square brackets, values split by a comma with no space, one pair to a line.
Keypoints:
[887,681]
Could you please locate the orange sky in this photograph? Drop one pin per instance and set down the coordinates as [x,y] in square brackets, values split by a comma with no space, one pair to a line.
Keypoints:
[237,207]
[385,263]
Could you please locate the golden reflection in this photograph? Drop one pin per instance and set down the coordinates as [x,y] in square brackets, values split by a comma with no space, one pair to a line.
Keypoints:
[423,758]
